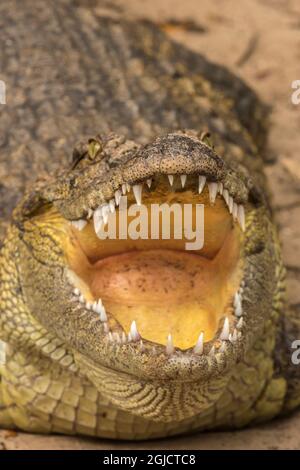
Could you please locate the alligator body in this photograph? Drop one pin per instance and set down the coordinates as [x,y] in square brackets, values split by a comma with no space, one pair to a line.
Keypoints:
[170,127]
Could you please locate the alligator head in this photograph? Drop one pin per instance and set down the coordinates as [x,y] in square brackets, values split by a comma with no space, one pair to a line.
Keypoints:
[157,328]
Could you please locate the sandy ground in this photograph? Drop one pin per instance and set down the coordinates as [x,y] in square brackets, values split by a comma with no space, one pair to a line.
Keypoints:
[259,40]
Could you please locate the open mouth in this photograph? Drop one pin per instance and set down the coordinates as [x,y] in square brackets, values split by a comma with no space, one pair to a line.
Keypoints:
[153,293]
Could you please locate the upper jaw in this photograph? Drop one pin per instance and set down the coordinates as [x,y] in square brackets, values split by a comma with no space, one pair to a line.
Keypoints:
[100,213]
[173,154]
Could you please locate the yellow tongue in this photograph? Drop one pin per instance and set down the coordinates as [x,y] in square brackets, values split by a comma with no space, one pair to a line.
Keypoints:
[163,291]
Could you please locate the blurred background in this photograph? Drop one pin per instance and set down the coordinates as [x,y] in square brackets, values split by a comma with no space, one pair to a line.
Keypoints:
[259,40]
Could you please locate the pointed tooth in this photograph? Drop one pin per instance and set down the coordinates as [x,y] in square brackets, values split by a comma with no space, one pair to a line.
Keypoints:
[137,191]
[142,347]
[230,204]
[169,346]
[213,190]
[82,223]
[225,331]
[223,347]
[118,196]
[97,213]
[171,179]
[230,337]
[79,224]
[124,338]
[124,189]
[226,196]
[98,225]
[149,182]
[129,337]
[98,219]
[105,327]
[110,336]
[234,336]
[198,348]
[201,184]
[220,188]
[112,206]
[240,323]
[134,332]
[88,305]
[241,217]
[98,306]
[94,307]
[212,351]
[117,337]
[82,299]
[183,180]
[235,211]
[76,291]
[237,305]
[239,334]
[90,213]
[103,316]
[238,310]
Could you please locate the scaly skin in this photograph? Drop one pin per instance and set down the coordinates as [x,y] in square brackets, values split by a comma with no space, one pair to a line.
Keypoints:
[60,373]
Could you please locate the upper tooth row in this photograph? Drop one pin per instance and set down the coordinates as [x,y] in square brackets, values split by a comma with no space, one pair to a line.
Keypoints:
[134,335]
[100,215]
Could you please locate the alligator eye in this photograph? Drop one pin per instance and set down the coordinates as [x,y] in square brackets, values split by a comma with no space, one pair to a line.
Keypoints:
[90,151]
[94,148]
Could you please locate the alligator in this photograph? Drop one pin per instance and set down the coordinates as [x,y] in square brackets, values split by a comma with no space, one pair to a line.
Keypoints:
[134,338]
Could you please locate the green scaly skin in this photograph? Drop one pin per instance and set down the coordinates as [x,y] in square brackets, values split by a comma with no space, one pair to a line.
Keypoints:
[61,375]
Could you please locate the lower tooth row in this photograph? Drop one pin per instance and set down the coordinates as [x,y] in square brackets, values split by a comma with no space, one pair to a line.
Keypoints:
[134,335]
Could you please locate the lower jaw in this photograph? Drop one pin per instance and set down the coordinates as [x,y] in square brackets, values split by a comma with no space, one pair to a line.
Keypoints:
[156,358]
[164,292]
[167,292]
